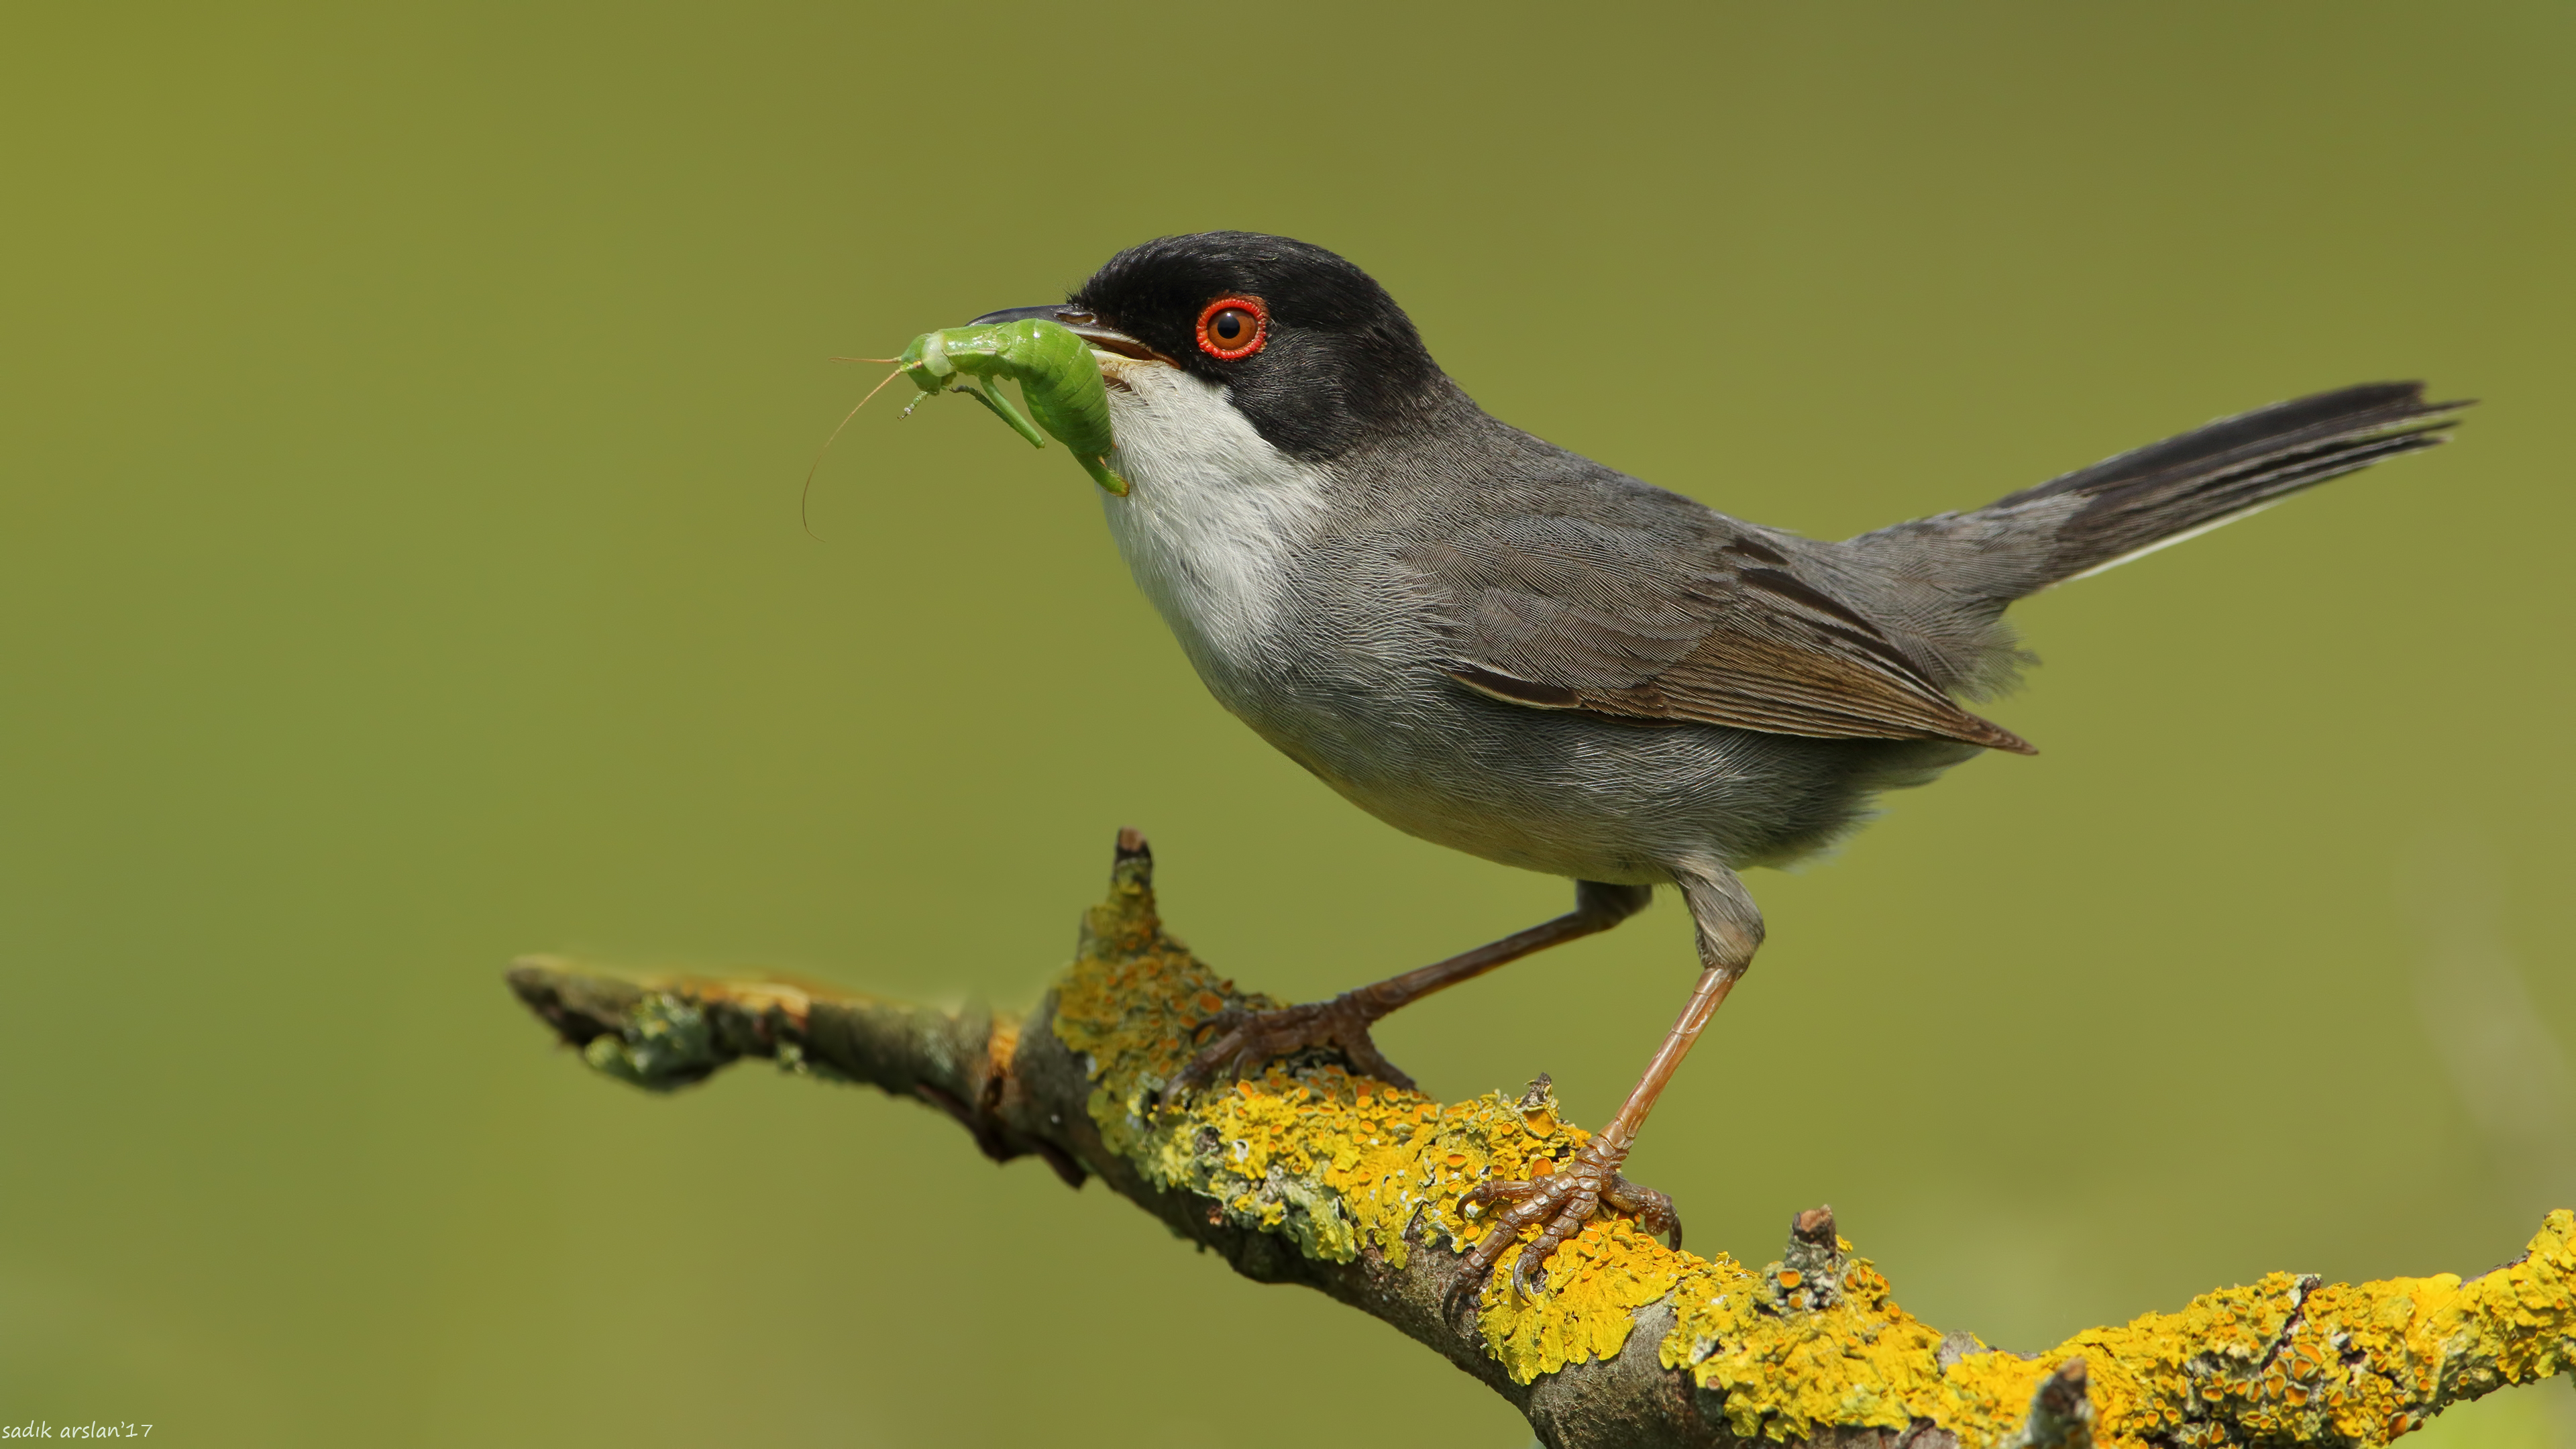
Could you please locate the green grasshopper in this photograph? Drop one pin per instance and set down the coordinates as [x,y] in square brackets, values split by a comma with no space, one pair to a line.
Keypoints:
[1058,377]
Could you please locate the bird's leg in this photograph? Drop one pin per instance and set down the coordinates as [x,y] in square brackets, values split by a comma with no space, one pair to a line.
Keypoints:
[1245,1040]
[1559,1203]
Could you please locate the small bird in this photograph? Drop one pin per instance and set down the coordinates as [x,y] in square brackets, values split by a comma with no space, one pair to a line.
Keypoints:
[1493,643]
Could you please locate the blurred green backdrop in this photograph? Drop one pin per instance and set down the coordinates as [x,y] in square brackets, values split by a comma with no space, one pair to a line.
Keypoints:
[403,419]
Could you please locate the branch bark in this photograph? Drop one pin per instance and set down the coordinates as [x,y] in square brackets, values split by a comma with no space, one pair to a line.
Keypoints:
[1309,1175]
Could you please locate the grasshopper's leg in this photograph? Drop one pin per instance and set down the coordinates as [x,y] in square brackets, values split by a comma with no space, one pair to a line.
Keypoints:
[988,391]
[1098,468]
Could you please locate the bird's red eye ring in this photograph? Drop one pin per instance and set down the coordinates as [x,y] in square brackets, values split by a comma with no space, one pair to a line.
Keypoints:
[1232,328]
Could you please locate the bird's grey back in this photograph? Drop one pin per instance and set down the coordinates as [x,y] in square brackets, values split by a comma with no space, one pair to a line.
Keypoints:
[1591,578]
[1647,572]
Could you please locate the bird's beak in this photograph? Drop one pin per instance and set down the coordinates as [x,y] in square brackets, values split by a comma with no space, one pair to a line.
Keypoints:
[1082,324]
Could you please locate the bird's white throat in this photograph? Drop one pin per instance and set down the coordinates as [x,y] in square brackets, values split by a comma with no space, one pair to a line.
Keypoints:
[1212,516]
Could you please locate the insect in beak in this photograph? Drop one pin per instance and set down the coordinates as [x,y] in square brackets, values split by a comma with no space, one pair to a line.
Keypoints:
[1056,368]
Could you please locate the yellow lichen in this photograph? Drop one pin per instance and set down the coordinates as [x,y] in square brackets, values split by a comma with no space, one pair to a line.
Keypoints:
[1779,1367]
[2284,1359]
[1339,1165]
[1335,1164]
[1596,1282]
[2292,1359]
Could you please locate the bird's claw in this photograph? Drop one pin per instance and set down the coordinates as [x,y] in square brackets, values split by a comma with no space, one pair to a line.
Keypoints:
[1246,1040]
[1558,1204]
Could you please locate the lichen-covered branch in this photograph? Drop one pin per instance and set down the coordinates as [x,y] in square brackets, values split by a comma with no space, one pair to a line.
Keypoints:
[1309,1175]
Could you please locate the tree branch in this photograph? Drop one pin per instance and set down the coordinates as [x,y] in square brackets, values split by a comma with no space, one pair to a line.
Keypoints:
[1309,1175]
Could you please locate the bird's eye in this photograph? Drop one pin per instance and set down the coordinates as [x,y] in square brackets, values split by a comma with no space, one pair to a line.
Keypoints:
[1233,327]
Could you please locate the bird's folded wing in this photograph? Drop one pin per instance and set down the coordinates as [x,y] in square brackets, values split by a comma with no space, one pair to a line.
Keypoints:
[1707,628]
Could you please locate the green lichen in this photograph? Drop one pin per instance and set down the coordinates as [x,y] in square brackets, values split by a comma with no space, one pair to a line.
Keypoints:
[796,1061]
[666,1043]
[680,1030]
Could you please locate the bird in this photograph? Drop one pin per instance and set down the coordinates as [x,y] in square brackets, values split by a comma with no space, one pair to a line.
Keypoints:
[1495,644]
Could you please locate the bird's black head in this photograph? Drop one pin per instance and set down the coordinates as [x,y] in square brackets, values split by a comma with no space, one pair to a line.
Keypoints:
[1313,353]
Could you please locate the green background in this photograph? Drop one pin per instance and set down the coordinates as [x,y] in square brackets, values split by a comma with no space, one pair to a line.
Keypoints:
[402,421]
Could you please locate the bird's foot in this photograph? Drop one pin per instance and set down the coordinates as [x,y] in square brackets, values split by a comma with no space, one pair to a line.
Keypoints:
[1559,1203]
[1246,1040]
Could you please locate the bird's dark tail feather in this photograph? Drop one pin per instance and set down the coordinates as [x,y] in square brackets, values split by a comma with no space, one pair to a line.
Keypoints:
[2165,492]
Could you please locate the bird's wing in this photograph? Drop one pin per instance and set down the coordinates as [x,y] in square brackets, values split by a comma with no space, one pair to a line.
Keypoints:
[1716,627]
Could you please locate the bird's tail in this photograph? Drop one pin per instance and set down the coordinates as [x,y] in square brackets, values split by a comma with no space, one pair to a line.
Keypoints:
[1944,582]
[2166,492]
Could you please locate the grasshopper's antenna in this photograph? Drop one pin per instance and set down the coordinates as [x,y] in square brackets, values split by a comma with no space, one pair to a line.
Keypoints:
[805,499]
